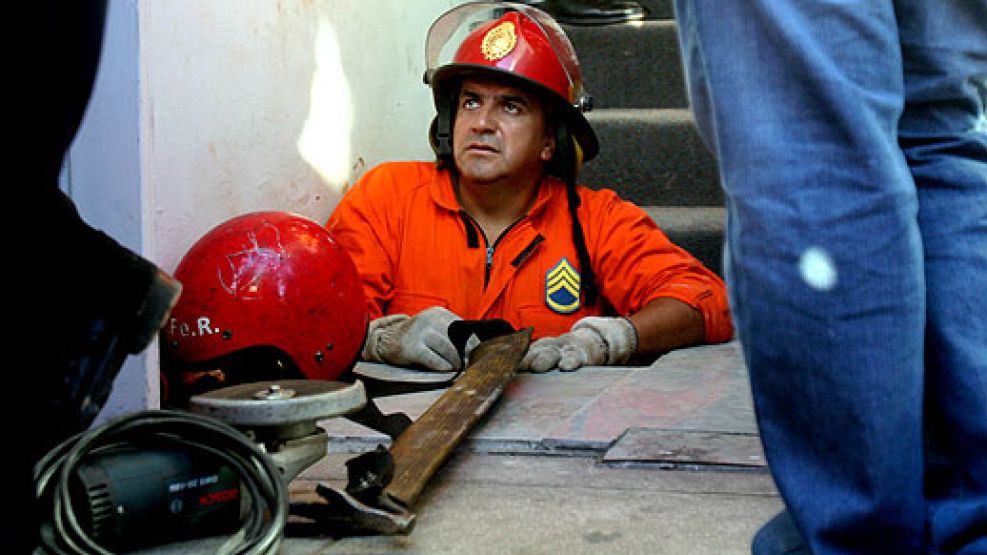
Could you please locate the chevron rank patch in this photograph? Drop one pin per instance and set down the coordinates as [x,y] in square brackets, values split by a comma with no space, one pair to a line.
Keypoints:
[562,288]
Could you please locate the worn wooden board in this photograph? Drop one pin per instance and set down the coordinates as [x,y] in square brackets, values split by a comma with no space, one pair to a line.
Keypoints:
[421,449]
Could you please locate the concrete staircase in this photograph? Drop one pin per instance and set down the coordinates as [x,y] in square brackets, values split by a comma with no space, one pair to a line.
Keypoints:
[650,151]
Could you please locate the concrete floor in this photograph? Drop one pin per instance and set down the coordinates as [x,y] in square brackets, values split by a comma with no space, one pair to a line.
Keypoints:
[651,460]
[484,503]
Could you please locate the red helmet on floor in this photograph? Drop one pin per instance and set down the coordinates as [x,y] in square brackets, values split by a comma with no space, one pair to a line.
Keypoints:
[515,41]
[267,295]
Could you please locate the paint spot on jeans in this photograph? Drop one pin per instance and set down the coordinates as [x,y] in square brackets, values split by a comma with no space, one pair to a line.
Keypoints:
[817,269]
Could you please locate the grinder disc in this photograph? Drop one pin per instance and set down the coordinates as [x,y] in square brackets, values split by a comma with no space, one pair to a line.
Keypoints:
[280,402]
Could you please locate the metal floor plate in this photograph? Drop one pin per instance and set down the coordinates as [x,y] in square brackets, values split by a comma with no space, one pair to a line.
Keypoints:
[702,389]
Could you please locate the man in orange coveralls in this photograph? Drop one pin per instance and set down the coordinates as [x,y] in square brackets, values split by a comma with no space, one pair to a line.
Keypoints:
[497,228]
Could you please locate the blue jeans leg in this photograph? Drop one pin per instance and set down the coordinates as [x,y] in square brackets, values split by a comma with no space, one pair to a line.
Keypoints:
[779,537]
[843,262]
[943,134]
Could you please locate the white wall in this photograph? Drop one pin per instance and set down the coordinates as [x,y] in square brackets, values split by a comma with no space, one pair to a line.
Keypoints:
[206,110]
[227,88]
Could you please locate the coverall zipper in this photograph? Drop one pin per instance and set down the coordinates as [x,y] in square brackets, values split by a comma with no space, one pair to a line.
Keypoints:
[490,248]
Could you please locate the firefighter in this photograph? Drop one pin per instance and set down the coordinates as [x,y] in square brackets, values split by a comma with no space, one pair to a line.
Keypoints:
[496,226]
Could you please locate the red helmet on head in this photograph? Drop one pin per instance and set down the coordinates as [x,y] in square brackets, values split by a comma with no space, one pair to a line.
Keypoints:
[267,295]
[515,41]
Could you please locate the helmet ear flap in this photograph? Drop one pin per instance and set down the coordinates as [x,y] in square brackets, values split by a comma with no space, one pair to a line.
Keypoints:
[440,131]
[568,157]
[433,140]
[442,149]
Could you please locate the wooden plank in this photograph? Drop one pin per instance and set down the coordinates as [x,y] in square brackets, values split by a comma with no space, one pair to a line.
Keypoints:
[422,449]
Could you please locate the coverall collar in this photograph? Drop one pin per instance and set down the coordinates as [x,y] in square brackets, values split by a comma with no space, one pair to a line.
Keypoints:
[444,196]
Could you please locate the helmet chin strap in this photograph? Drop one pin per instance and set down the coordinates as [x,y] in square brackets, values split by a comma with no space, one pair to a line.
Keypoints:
[577,158]
[565,164]
[442,134]
[570,157]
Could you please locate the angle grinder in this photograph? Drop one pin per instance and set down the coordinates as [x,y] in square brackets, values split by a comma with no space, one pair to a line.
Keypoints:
[136,494]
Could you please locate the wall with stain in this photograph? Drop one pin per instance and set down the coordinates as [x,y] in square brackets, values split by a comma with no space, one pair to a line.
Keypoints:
[275,105]
[206,110]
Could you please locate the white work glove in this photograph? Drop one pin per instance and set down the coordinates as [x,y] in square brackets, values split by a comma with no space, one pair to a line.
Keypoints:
[421,340]
[593,341]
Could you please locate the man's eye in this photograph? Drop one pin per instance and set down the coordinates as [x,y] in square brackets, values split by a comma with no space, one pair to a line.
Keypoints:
[512,108]
[470,103]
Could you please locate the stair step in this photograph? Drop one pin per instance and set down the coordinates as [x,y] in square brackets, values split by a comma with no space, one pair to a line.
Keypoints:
[632,65]
[697,229]
[650,150]
[653,158]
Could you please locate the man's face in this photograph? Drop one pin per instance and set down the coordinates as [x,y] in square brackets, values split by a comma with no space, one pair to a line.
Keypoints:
[499,133]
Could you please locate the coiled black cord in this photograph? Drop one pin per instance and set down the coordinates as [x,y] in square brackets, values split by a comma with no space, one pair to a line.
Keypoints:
[62,534]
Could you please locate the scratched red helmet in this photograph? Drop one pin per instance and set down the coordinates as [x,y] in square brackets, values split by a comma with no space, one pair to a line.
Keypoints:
[517,42]
[267,295]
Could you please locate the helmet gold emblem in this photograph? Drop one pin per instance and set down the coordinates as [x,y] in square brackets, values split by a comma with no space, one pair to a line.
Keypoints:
[499,41]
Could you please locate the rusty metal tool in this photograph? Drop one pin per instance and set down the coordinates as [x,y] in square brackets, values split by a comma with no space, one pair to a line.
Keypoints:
[421,449]
[385,484]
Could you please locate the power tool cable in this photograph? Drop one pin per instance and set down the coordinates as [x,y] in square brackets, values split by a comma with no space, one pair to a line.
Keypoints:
[259,533]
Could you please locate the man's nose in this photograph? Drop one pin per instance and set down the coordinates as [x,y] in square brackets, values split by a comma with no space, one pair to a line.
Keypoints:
[485,118]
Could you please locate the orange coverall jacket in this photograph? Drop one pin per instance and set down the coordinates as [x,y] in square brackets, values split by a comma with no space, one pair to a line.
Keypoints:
[415,248]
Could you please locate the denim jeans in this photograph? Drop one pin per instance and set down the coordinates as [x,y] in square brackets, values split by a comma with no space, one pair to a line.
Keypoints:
[852,147]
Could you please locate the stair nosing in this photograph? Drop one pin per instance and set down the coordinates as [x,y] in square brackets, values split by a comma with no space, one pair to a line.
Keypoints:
[605,115]
[628,26]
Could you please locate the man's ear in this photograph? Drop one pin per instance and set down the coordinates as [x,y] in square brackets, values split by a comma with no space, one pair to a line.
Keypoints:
[548,150]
